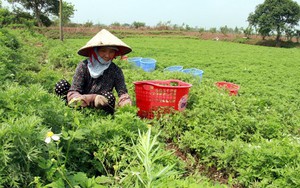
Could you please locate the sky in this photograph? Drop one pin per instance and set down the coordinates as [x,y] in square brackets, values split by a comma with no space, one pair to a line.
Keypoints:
[195,13]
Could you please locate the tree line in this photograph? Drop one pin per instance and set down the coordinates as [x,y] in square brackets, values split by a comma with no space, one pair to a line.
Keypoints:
[276,17]
[271,18]
[43,12]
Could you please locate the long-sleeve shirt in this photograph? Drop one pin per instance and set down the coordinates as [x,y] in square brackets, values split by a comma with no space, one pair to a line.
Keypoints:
[112,78]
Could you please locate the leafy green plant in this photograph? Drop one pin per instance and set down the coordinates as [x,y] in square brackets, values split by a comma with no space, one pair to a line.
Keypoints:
[56,164]
[8,39]
[252,138]
[9,57]
[146,171]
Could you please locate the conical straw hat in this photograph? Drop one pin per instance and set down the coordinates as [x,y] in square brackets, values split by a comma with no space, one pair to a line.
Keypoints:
[104,38]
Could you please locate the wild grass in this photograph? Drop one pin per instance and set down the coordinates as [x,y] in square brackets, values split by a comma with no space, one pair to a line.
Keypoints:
[252,138]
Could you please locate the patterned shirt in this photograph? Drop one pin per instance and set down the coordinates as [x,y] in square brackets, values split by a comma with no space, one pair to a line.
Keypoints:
[112,78]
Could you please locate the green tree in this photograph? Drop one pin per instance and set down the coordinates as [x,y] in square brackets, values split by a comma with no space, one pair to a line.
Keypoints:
[138,24]
[237,30]
[16,17]
[68,10]
[116,24]
[275,16]
[248,31]
[213,30]
[290,33]
[6,17]
[297,35]
[224,30]
[164,25]
[201,30]
[40,8]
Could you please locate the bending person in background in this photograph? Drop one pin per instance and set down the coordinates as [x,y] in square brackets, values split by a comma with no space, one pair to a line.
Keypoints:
[97,76]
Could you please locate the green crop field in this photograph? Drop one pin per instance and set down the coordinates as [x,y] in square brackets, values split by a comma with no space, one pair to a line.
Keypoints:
[248,140]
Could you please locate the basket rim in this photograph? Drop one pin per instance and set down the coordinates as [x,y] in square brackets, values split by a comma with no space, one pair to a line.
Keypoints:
[146,59]
[229,85]
[174,66]
[134,59]
[155,83]
[192,70]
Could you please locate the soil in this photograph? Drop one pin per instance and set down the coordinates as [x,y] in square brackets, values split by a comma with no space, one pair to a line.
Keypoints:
[71,32]
[211,172]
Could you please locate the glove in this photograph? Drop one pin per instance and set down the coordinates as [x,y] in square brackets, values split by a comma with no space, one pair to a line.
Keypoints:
[76,101]
[124,100]
[100,101]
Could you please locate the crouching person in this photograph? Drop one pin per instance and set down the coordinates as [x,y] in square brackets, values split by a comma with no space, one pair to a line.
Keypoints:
[97,76]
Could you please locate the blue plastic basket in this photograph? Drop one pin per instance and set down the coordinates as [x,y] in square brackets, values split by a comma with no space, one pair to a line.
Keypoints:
[175,68]
[135,60]
[194,71]
[148,64]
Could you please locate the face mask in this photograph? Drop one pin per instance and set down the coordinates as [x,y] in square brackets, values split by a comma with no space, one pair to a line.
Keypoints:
[97,68]
[102,61]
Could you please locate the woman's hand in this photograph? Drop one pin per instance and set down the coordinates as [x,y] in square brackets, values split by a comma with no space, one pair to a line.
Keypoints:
[124,100]
[77,101]
[100,101]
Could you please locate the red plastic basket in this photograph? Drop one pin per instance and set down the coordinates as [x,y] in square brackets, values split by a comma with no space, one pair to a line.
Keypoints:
[160,97]
[231,87]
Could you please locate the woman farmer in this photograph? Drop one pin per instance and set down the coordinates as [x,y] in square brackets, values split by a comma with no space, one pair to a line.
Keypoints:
[97,76]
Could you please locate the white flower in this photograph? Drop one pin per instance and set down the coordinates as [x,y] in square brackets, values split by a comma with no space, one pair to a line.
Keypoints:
[51,136]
